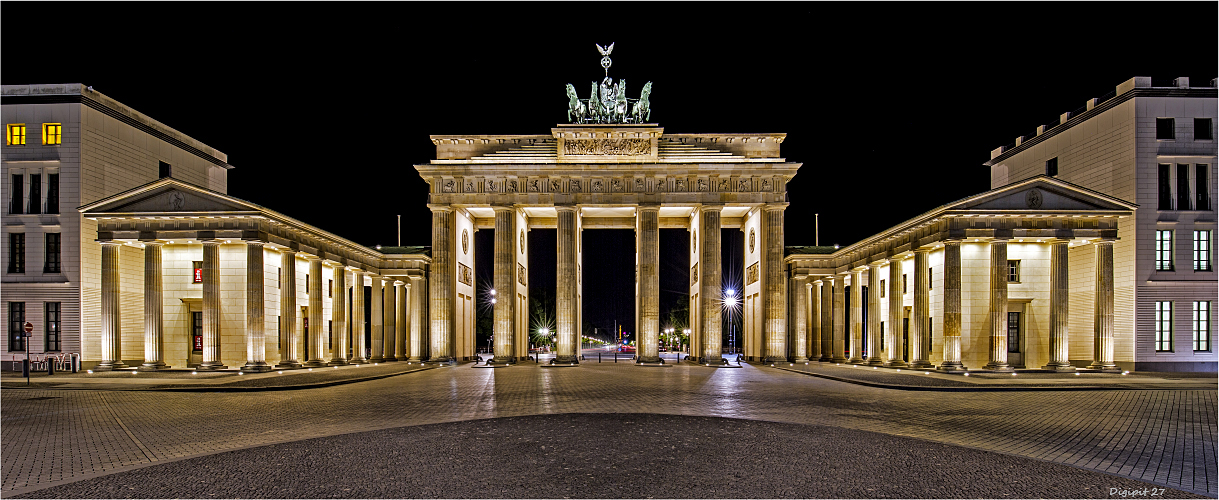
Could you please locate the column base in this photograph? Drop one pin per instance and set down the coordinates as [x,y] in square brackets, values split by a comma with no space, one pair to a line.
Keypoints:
[496,362]
[314,363]
[414,360]
[855,361]
[288,365]
[713,360]
[800,359]
[376,359]
[951,367]
[896,363]
[107,366]
[823,358]
[214,365]
[839,359]
[998,367]
[357,361]
[257,367]
[1059,367]
[1105,368]
[152,367]
[876,361]
[337,362]
[399,358]
[922,365]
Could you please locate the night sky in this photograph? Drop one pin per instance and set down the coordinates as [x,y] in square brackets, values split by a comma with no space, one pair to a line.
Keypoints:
[892,108]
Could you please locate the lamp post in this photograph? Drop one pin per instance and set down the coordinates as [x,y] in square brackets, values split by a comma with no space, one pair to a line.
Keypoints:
[730,301]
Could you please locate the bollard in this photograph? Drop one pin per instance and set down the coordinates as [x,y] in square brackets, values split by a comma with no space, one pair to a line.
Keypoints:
[615,356]
[598,356]
[74,363]
[50,367]
[25,368]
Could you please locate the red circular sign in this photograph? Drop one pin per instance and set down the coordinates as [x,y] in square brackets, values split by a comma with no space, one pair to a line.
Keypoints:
[29,327]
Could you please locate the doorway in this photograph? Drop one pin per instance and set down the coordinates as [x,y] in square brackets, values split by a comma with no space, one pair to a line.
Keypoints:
[305,331]
[196,339]
[906,338]
[1015,330]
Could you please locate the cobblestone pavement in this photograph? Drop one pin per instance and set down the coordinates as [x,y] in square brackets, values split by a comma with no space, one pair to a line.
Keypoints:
[1165,437]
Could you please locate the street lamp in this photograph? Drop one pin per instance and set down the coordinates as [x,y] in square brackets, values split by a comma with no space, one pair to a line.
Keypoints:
[731,301]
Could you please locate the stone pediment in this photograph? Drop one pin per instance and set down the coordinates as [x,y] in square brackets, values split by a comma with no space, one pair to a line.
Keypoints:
[1041,194]
[169,196]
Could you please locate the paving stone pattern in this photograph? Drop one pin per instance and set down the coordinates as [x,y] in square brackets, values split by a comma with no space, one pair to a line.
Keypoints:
[50,436]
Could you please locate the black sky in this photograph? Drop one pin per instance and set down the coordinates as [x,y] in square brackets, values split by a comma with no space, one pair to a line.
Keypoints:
[323,108]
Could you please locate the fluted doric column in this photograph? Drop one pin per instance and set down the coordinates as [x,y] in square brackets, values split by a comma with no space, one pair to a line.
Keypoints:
[505,285]
[648,249]
[154,311]
[709,284]
[920,325]
[358,343]
[799,339]
[568,334]
[441,282]
[952,307]
[402,320]
[894,331]
[814,316]
[417,306]
[874,337]
[338,314]
[998,306]
[827,319]
[389,321]
[839,314]
[317,333]
[856,312]
[1103,321]
[776,283]
[112,350]
[211,306]
[376,318]
[1059,297]
[255,310]
[288,334]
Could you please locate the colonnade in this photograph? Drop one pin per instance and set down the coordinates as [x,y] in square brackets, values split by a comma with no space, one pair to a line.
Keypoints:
[833,328]
[397,322]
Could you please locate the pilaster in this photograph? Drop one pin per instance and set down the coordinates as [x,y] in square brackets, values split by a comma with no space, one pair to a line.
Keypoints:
[154,310]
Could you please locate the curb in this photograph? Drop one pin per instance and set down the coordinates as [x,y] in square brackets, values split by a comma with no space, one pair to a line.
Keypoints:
[981,388]
[221,388]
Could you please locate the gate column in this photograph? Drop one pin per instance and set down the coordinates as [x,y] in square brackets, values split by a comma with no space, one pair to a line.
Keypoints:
[709,289]
[565,286]
[647,235]
[505,285]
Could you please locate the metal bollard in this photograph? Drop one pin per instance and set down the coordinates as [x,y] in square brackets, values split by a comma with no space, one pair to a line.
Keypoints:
[74,363]
[598,357]
[50,367]
[25,368]
[615,356]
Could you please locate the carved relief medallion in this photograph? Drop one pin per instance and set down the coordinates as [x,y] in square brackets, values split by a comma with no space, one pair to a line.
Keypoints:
[702,185]
[448,186]
[555,185]
[1033,198]
[752,239]
[176,200]
[743,185]
[522,241]
[575,185]
[534,186]
[465,242]
[490,186]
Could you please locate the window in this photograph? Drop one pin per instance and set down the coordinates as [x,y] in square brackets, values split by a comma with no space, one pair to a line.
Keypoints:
[165,170]
[16,253]
[51,264]
[930,273]
[1163,326]
[1166,128]
[882,335]
[329,288]
[197,272]
[330,330]
[51,133]
[1202,326]
[18,190]
[1202,187]
[51,311]
[1182,187]
[1165,187]
[306,283]
[1164,250]
[35,194]
[1202,250]
[16,324]
[1013,332]
[1051,166]
[196,327]
[1013,271]
[882,289]
[15,134]
[1203,130]
[52,193]
[904,285]
[279,277]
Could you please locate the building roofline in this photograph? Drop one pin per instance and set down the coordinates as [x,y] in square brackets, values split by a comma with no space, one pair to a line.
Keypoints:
[1139,86]
[77,93]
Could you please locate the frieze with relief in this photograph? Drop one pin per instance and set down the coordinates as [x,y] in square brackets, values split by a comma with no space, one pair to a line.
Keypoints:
[607,147]
[464,275]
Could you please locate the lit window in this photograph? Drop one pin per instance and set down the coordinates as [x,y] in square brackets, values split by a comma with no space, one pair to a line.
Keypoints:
[1013,271]
[1202,326]
[882,289]
[1202,250]
[197,273]
[1166,128]
[1164,250]
[1163,326]
[15,134]
[51,133]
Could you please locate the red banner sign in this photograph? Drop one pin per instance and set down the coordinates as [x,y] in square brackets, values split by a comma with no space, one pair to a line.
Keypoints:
[198,342]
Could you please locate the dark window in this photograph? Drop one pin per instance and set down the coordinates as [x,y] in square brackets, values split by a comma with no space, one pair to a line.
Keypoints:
[329,288]
[1013,332]
[51,264]
[1182,187]
[882,289]
[279,278]
[196,323]
[1202,187]
[929,277]
[1203,130]
[330,331]
[1165,128]
[52,193]
[52,328]
[1165,186]
[882,335]
[16,324]
[16,252]
[904,285]
[18,189]
[306,283]
[166,170]
[1051,167]
[197,272]
[927,341]
[35,194]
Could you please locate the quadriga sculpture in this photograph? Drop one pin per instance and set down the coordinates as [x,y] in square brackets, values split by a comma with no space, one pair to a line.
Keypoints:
[642,111]
[575,106]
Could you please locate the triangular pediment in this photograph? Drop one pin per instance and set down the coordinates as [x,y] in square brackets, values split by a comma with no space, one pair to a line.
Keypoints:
[169,196]
[1041,194]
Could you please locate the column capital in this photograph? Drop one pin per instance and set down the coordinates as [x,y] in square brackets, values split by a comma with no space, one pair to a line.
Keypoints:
[875,264]
[923,250]
[711,207]
[435,207]
[651,207]
[566,208]
[310,257]
[776,206]
[504,208]
[152,243]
